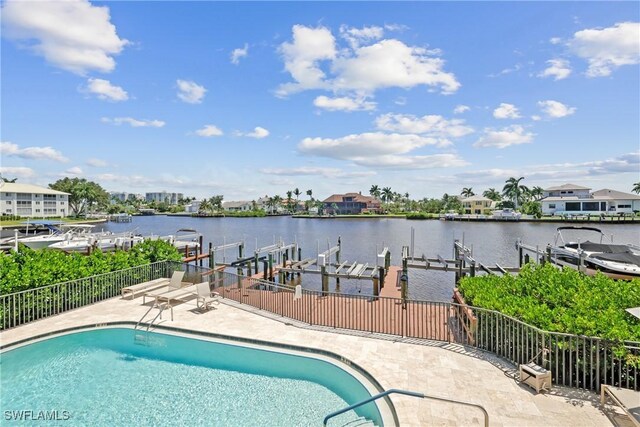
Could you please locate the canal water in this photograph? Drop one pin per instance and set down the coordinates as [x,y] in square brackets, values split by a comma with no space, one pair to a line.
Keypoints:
[362,238]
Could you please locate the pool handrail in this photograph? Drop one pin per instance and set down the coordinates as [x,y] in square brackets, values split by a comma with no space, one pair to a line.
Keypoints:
[406,393]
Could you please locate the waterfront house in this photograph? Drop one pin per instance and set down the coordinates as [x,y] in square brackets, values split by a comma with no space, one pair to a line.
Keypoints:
[351,203]
[240,206]
[193,207]
[571,199]
[32,201]
[478,205]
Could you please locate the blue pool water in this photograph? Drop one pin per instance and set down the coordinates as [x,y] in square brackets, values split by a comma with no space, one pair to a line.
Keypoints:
[102,377]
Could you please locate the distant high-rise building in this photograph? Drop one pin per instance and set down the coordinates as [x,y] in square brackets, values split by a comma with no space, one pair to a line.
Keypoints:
[163,196]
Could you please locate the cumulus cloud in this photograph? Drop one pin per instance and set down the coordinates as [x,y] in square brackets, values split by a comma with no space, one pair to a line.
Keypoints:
[103,89]
[366,65]
[506,111]
[10,149]
[302,56]
[460,109]
[72,35]
[316,171]
[136,123]
[357,36]
[358,146]
[557,68]
[16,171]
[238,53]
[606,49]
[258,133]
[343,104]
[209,130]
[190,92]
[97,163]
[505,137]
[76,170]
[431,125]
[555,109]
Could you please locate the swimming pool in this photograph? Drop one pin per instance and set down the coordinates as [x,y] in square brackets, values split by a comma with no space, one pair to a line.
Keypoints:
[108,377]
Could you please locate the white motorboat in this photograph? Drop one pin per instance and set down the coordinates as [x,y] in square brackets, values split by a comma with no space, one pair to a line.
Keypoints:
[619,261]
[104,241]
[507,213]
[58,232]
[184,238]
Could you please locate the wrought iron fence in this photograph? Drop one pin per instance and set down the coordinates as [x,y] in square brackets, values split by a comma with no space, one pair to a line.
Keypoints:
[26,306]
[574,361]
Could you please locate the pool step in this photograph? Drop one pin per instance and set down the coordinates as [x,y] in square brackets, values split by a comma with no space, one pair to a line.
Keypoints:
[141,338]
[359,422]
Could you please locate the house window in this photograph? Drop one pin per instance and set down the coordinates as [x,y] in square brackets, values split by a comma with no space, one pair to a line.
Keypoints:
[572,207]
[8,202]
[624,206]
[8,211]
[552,205]
[590,206]
[603,206]
[37,210]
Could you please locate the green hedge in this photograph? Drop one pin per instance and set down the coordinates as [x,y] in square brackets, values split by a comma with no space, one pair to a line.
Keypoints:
[560,300]
[28,268]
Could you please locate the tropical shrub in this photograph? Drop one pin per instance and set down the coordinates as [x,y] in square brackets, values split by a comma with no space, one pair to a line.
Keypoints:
[560,300]
[28,268]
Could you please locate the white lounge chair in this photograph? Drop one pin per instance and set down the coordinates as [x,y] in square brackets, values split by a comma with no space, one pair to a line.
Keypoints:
[180,295]
[144,287]
[206,297]
[175,283]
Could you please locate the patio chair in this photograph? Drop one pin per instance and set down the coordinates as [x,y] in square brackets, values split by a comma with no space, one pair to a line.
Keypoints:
[175,283]
[150,285]
[206,297]
[179,295]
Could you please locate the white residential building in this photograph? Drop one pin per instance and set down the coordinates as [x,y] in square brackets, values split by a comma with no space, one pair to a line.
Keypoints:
[193,207]
[570,199]
[240,206]
[163,196]
[32,201]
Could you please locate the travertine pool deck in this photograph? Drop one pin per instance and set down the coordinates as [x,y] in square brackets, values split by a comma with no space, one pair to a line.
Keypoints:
[434,368]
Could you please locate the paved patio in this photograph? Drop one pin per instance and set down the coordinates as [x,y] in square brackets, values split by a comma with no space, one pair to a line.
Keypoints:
[431,367]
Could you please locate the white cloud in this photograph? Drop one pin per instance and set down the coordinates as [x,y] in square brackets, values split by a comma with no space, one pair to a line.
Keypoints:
[357,36]
[73,35]
[555,40]
[209,131]
[431,125]
[238,53]
[506,111]
[606,49]
[505,137]
[391,63]
[36,153]
[316,171]
[301,57]
[358,146]
[76,170]
[536,118]
[190,92]
[11,172]
[359,69]
[103,89]
[258,133]
[460,109]
[136,123]
[505,71]
[558,69]
[97,163]
[343,104]
[555,109]
[433,161]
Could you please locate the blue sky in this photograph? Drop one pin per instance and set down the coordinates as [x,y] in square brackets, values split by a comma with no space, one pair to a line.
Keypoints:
[248,99]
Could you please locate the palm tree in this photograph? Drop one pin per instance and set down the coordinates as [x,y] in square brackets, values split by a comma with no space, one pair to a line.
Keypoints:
[636,188]
[205,206]
[536,192]
[387,194]
[271,203]
[310,194]
[8,180]
[513,190]
[375,191]
[492,194]
[277,200]
[467,192]
[289,200]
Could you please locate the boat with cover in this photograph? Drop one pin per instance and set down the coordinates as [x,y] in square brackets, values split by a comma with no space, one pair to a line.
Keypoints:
[619,261]
[105,241]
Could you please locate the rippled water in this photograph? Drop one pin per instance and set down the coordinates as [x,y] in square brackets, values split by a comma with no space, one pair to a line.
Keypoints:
[492,242]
